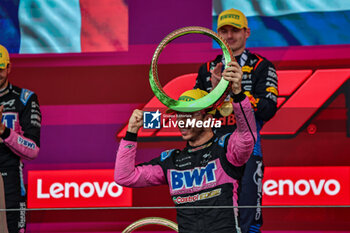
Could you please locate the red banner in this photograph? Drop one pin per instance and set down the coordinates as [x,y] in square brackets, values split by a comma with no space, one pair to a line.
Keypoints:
[306,186]
[75,188]
[301,94]
[96,188]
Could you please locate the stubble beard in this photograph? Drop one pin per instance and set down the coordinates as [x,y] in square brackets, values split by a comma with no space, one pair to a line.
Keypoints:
[197,133]
[3,82]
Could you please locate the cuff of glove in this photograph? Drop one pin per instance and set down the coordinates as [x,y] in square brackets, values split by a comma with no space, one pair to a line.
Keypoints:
[130,136]
[239,97]
[6,133]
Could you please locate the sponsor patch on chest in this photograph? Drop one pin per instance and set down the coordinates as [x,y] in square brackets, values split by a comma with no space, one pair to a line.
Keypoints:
[197,197]
[192,178]
[9,119]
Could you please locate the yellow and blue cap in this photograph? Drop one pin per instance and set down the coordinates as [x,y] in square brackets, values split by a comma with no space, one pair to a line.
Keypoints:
[4,57]
[232,17]
[190,95]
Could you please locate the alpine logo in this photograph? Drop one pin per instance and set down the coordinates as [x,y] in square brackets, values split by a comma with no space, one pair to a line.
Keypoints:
[8,104]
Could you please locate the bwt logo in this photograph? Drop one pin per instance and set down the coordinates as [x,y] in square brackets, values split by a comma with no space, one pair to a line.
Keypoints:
[193,178]
[26,143]
[151,120]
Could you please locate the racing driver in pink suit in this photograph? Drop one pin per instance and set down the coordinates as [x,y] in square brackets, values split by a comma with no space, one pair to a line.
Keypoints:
[206,172]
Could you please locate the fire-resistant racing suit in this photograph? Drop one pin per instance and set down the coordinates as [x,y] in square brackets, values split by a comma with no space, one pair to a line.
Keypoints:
[205,175]
[259,83]
[20,140]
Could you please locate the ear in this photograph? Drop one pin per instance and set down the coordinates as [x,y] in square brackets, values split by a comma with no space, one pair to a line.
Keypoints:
[9,68]
[247,33]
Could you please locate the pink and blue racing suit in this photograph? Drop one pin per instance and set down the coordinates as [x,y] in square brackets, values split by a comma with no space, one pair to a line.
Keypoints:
[204,176]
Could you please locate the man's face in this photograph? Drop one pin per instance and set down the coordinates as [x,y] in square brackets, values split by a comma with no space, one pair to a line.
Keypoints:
[191,133]
[235,37]
[4,77]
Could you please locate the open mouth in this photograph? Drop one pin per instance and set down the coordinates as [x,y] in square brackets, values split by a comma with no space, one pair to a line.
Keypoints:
[184,131]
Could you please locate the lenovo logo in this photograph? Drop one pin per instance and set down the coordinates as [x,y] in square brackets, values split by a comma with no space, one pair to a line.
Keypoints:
[306,186]
[301,187]
[75,188]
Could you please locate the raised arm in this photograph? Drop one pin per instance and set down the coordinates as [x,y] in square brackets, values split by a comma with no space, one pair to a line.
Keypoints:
[126,173]
[241,142]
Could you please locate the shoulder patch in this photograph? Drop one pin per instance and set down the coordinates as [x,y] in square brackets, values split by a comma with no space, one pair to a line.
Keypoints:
[165,154]
[25,95]
[272,90]
[129,146]
[222,140]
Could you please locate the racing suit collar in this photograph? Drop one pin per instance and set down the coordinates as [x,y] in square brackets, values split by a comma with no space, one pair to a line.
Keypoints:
[200,147]
[241,59]
[6,90]
[238,57]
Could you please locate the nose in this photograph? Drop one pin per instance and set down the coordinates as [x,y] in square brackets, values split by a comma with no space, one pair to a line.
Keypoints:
[230,34]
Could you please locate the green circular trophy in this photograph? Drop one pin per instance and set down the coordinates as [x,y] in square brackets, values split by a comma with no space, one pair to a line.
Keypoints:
[214,98]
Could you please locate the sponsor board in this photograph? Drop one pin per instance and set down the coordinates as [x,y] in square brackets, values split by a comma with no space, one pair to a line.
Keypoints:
[293,87]
[76,188]
[96,188]
[306,186]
